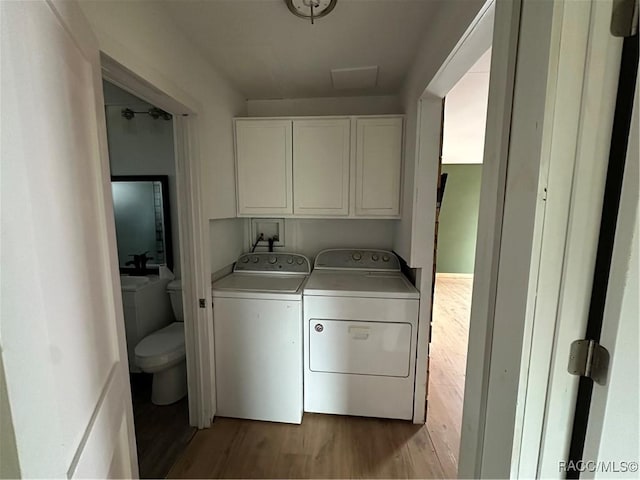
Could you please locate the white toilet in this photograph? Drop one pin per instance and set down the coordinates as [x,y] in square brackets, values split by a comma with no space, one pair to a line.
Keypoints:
[162,353]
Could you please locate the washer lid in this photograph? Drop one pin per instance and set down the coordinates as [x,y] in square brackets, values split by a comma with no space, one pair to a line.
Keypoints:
[343,283]
[246,282]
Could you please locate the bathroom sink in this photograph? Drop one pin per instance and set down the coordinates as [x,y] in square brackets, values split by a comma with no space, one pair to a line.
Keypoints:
[131,283]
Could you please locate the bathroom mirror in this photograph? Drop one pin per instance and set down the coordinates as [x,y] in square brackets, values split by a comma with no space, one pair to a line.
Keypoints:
[141,209]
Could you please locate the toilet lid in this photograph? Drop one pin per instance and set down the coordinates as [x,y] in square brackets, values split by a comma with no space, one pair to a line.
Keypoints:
[167,340]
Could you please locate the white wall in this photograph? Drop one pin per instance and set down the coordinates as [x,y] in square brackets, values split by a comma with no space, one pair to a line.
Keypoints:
[227,242]
[371,105]
[142,146]
[143,38]
[232,236]
[309,236]
[62,336]
[443,34]
[465,115]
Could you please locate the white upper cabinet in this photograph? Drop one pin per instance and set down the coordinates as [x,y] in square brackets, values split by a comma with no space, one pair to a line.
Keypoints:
[319,166]
[264,167]
[321,150]
[378,166]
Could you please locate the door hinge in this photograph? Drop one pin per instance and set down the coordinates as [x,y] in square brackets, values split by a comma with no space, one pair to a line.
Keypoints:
[202,302]
[624,18]
[588,358]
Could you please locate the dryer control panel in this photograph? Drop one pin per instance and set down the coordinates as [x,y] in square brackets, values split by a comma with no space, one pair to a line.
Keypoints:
[357,259]
[273,262]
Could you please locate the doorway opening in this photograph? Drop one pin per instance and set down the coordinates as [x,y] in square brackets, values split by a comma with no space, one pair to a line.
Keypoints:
[142,162]
[465,112]
[165,103]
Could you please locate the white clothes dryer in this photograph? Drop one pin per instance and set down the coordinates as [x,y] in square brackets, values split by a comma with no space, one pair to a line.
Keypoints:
[360,333]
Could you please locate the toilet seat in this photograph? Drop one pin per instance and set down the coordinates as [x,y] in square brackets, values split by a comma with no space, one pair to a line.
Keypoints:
[162,348]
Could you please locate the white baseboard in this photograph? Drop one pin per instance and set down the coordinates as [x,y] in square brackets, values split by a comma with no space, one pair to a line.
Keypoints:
[454,275]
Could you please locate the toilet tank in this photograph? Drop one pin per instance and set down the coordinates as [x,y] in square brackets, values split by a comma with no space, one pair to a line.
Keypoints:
[146,309]
[175,295]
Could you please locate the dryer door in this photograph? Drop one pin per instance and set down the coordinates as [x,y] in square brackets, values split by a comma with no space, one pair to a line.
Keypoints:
[358,347]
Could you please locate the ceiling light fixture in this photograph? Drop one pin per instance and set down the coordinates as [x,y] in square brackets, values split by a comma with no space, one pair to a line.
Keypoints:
[311,9]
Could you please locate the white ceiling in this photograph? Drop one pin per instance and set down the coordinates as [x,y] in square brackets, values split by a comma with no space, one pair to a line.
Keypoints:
[266,52]
[465,115]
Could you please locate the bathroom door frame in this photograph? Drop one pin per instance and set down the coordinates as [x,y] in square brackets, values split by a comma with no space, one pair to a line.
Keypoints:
[196,272]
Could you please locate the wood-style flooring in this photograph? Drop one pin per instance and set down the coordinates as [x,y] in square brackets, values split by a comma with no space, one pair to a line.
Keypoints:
[329,446]
[162,432]
[447,367]
[323,446]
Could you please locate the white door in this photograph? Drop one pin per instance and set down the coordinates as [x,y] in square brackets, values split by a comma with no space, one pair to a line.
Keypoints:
[585,88]
[63,346]
[612,441]
[264,169]
[321,167]
[378,166]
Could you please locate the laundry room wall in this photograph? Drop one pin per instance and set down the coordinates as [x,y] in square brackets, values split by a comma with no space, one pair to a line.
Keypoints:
[227,243]
[142,146]
[143,37]
[366,105]
[310,236]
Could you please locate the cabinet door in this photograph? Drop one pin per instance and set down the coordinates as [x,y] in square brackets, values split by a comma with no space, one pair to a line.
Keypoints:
[321,167]
[264,168]
[378,166]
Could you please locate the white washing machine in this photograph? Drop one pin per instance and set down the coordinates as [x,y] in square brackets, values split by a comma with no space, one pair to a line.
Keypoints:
[257,315]
[360,333]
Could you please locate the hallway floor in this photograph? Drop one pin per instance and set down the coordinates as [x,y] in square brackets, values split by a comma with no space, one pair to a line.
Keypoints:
[323,446]
[447,367]
[330,446]
[162,432]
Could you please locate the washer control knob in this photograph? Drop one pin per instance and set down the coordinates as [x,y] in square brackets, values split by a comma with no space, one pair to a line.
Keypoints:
[255,259]
[289,260]
[386,258]
[357,256]
[245,259]
[299,261]
[375,257]
[273,260]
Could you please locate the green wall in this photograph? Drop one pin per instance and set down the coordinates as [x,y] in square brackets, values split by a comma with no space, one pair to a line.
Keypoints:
[459,219]
[9,463]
